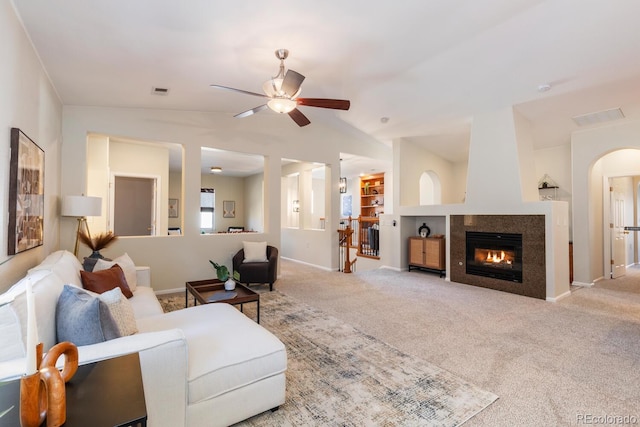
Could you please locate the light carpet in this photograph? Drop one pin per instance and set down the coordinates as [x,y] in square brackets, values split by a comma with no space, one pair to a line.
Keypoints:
[338,375]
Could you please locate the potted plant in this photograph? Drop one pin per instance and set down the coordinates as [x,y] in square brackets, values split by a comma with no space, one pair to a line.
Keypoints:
[222,272]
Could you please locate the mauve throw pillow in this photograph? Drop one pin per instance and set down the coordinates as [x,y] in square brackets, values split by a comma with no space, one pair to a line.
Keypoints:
[83,319]
[105,280]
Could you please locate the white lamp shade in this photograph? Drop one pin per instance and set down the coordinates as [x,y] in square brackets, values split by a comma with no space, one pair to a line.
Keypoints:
[81,206]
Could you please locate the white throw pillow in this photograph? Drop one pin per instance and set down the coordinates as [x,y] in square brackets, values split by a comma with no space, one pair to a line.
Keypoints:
[64,264]
[121,311]
[126,264]
[255,251]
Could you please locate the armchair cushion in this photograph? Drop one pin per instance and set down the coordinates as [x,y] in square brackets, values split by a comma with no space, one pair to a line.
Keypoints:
[255,251]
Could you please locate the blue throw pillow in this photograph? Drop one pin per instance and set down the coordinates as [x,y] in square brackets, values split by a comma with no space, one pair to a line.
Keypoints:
[82,318]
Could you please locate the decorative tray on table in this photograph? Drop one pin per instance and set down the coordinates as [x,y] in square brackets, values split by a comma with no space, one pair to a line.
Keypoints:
[222,295]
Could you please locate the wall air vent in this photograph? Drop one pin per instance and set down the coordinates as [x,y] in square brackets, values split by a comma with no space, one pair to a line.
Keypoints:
[599,117]
[163,91]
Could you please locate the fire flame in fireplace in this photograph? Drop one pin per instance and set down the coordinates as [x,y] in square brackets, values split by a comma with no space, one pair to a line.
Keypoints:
[497,258]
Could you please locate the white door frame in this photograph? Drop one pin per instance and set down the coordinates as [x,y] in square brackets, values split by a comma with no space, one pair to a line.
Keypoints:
[157,180]
[607,230]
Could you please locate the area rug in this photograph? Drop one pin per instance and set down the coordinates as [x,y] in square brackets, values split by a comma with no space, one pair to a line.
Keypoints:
[340,376]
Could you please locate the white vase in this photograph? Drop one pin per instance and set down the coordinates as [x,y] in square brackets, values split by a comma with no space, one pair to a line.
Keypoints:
[229,285]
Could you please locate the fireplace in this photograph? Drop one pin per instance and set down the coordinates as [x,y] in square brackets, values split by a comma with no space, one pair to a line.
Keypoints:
[495,255]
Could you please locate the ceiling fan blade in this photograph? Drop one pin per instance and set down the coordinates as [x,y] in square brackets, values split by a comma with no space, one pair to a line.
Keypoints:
[298,117]
[336,104]
[291,83]
[261,95]
[250,112]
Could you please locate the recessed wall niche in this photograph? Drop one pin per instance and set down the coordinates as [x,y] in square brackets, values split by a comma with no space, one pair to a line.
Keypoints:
[304,194]
[235,182]
[154,167]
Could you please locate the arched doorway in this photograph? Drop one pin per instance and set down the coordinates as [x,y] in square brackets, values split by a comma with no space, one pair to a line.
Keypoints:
[620,171]
[430,188]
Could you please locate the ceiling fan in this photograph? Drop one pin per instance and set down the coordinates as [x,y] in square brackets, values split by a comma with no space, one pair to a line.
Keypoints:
[282,93]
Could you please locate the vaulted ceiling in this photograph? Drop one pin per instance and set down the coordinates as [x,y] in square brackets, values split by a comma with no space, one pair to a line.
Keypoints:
[425,65]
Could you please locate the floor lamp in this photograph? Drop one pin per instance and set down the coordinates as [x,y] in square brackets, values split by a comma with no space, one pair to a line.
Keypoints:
[81,207]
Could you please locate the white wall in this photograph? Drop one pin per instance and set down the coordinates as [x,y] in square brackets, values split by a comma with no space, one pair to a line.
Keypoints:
[556,163]
[28,102]
[144,160]
[254,202]
[175,260]
[415,160]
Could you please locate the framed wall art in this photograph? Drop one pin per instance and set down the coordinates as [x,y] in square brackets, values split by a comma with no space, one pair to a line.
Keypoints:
[26,193]
[173,208]
[229,209]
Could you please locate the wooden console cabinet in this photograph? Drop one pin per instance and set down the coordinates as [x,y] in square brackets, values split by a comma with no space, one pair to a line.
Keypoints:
[427,253]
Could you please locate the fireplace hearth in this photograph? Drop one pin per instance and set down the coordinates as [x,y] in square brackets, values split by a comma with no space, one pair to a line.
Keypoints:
[496,255]
[522,268]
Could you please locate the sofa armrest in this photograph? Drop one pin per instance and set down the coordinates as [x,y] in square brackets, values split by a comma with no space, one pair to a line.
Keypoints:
[163,362]
[143,275]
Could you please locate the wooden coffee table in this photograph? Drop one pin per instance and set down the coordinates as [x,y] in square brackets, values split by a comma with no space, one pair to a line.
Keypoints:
[202,290]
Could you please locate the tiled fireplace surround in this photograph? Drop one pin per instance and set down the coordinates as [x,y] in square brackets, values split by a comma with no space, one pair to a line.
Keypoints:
[532,228]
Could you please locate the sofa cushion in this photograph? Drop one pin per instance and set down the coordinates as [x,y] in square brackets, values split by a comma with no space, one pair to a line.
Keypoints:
[11,345]
[120,310]
[127,265]
[82,318]
[255,251]
[46,286]
[64,264]
[227,350]
[105,280]
[145,303]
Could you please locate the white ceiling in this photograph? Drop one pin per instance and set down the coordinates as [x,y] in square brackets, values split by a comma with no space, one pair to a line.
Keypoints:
[427,65]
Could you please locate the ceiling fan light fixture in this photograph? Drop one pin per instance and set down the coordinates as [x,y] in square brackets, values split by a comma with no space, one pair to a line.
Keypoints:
[273,87]
[282,105]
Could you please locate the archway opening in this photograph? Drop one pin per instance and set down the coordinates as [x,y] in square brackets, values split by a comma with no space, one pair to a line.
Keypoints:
[430,188]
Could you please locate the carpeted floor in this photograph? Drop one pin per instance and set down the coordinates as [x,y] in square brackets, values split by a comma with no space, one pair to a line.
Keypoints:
[340,376]
[552,364]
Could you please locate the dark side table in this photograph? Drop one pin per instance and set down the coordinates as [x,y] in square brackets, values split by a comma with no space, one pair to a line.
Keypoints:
[102,394]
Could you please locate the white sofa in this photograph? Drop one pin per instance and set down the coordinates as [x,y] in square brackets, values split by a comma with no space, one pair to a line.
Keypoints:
[208,365]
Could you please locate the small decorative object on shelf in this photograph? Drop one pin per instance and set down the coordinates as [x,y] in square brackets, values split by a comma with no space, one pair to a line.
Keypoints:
[424,230]
[546,183]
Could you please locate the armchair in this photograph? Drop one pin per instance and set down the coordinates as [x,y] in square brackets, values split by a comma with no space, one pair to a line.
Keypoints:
[257,272]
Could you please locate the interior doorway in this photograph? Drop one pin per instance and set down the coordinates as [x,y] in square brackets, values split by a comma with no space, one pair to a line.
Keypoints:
[134,205]
[620,171]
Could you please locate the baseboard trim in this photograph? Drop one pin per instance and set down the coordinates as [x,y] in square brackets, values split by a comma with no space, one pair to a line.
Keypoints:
[309,264]
[388,267]
[169,291]
[583,284]
[559,297]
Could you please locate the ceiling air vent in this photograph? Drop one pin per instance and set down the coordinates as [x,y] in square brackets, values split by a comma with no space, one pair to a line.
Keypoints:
[599,117]
[160,91]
